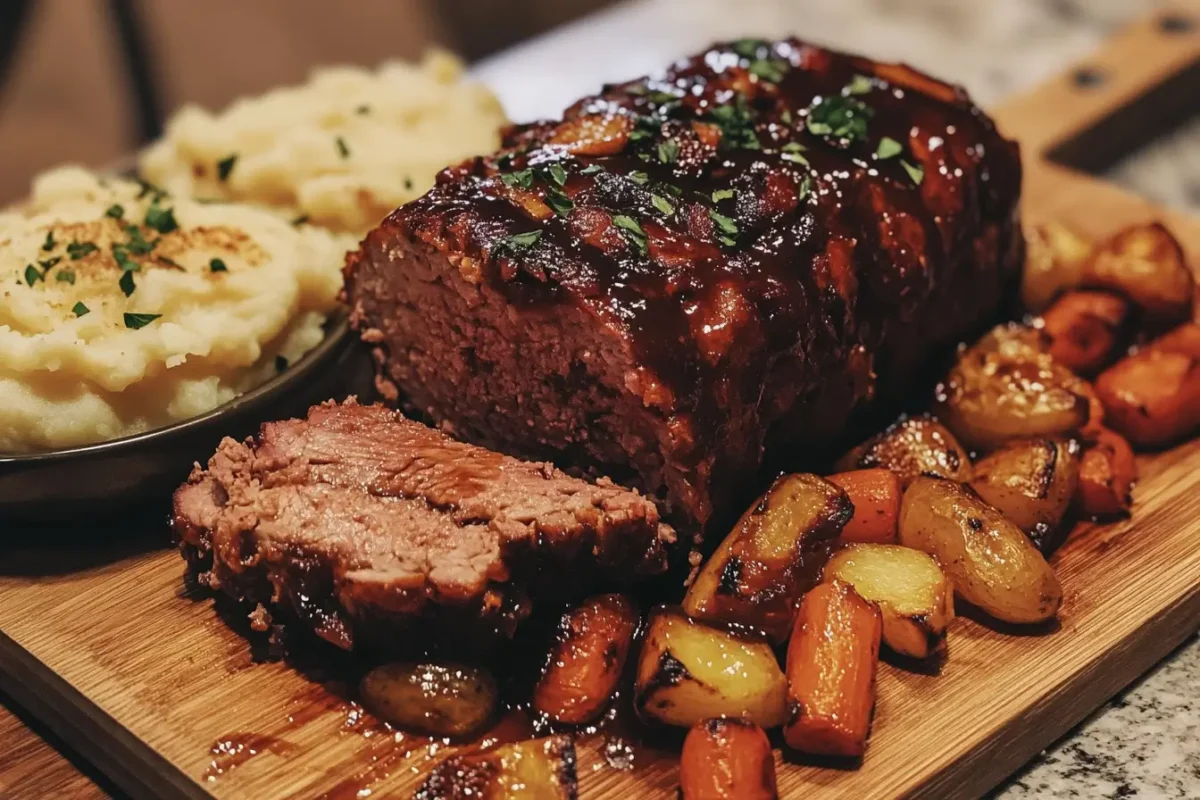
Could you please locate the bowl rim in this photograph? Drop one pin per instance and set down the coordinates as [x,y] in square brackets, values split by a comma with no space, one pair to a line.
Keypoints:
[338,332]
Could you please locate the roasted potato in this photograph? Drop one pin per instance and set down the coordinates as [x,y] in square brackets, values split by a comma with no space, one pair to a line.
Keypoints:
[910,447]
[443,699]
[914,596]
[831,663]
[1107,472]
[1054,263]
[586,659]
[875,494]
[1086,328]
[1031,482]
[727,759]
[989,559]
[1152,397]
[1146,264]
[536,769]
[689,672]
[773,555]
[1007,386]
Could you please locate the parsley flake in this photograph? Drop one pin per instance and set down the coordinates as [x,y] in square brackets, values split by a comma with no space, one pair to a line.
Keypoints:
[161,219]
[121,255]
[916,173]
[116,211]
[217,265]
[558,174]
[725,225]
[48,245]
[78,250]
[785,116]
[225,166]
[770,70]
[342,149]
[281,363]
[888,147]
[793,151]
[80,309]
[639,177]
[558,201]
[748,48]
[859,84]
[408,182]
[632,230]
[137,244]
[65,276]
[805,188]
[126,283]
[668,151]
[33,275]
[662,204]
[49,262]
[723,194]
[522,178]
[840,117]
[591,169]
[736,124]
[519,242]
[148,188]
[135,321]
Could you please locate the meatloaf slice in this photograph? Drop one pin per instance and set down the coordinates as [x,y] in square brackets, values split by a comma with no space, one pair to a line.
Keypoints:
[361,522]
[687,270]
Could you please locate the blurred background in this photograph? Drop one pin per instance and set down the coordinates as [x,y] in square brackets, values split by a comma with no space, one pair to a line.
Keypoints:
[90,80]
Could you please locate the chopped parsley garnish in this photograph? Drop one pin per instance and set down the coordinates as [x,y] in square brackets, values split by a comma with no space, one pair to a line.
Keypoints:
[408,182]
[748,48]
[49,262]
[723,194]
[77,250]
[771,70]
[33,274]
[150,189]
[736,124]
[217,265]
[662,204]
[135,321]
[137,244]
[519,242]
[840,117]
[668,151]
[591,169]
[792,151]
[888,147]
[860,84]
[522,178]
[916,173]
[121,254]
[726,227]
[48,245]
[558,201]
[637,89]
[558,174]
[281,363]
[116,211]
[785,116]
[343,150]
[632,230]
[126,283]
[65,276]
[805,188]
[300,220]
[363,109]
[167,262]
[80,309]
[663,98]
[161,219]
[225,166]
[639,177]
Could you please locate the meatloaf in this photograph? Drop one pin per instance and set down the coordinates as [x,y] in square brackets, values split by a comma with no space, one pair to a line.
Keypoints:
[360,523]
[689,269]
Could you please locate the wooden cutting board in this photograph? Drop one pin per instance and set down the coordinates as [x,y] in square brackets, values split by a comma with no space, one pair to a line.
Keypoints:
[102,642]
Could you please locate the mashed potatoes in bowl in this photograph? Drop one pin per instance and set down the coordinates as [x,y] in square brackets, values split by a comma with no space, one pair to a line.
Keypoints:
[126,309]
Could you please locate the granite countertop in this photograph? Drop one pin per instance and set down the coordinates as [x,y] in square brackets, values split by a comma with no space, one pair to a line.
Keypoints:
[1144,743]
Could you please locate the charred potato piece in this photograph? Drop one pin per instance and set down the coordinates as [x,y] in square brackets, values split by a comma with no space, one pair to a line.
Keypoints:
[586,660]
[773,555]
[1054,263]
[1031,482]
[689,672]
[727,759]
[1086,329]
[912,593]
[1146,264]
[910,447]
[1153,396]
[437,699]
[537,769]
[1007,387]
[990,560]
[1107,472]
[831,663]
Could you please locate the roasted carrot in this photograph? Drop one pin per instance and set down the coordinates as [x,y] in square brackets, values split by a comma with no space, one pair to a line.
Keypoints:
[586,659]
[876,495]
[727,759]
[1152,397]
[1107,471]
[831,664]
[1085,328]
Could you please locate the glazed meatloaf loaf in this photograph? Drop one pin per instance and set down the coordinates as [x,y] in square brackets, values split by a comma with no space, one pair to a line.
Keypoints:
[687,269]
[361,523]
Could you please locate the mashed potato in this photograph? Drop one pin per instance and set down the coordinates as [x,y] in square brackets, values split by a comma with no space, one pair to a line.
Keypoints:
[125,309]
[343,149]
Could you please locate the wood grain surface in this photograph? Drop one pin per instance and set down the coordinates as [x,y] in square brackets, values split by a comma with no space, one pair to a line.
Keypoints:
[148,681]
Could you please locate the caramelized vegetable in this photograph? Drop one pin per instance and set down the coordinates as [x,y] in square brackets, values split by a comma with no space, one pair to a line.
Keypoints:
[875,494]
[1146,264]
[1106,475]
[912,593]
[1153,396]
[537,769]
[1085,328]
[1031,482]
[689,672]
[1007,386]
[831,663]
[774,554]
[989,559]
[594,134]
[910,447]
[586,660]
[437,699]
[727,759]
[1054,263]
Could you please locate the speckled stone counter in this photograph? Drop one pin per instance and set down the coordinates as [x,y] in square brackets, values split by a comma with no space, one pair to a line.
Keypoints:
[1146,742]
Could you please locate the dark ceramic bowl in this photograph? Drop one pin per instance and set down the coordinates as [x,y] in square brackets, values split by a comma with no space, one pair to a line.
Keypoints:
[103,478]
